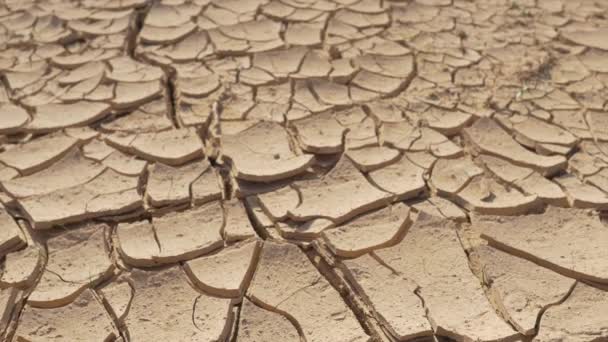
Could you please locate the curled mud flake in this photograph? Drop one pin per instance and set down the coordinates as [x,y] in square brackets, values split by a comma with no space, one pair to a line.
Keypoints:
[169,185]
[594,59]
[227,273]
[165,306]
[304,231]
[378,83]
[540,132]
[238,226]
[568,70]
[84,319]
[359,134]
[583,164]
[342,70]
[573,121]
[316,64]
[392,66]
[11,236]
[82,73]
[76,260]
[360,95]
[402,178]
[431,256]
[175,237]
[452,175]
[446,122]
[39,153]
[52,117]
[77,59]
[487,196]
[262,153]
[557,244]
[149,117]
[372,158]
[7,173]
[172,147]
[437,206]
[12,118]
[207,188]
[526,180]
[81,89]
[582,195]
[286,282]
[437,73]
[598,124]
[84,134]
[237,106]
[599,180]
[109,193]
[130,95]
[97,150]
[586,301]
[227,45]
[53,177]
[405,136]
[161,15]
[21,268]
[152,34]
[138,244]
[101,26]
[400,134]
[118,296]
[389,293]
[557,100]
[305,100]
[503,169]
[198,86]
[345,188]
[369,231]
[259,218]
[486,136]
[331,93]
[593,38]
[518,287]
[278,203]
[256,77]
[261,30]
[385,111]
[258,324]
[280,63]
[320,134]
[125,164]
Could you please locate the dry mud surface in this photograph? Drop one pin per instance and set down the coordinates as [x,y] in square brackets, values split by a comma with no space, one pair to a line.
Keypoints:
[303,170]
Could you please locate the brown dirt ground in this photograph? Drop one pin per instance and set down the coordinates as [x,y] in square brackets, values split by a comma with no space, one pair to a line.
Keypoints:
[303,170]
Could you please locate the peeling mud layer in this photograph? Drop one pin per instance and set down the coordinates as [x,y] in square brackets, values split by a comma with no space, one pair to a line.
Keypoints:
[303,170]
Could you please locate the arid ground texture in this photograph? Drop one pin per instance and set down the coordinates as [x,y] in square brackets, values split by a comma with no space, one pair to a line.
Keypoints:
[303,170]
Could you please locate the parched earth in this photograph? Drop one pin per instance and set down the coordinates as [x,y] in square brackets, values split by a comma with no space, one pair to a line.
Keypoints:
[303,170]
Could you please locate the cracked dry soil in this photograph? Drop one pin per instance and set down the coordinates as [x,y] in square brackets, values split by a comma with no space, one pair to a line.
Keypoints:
[303,170]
